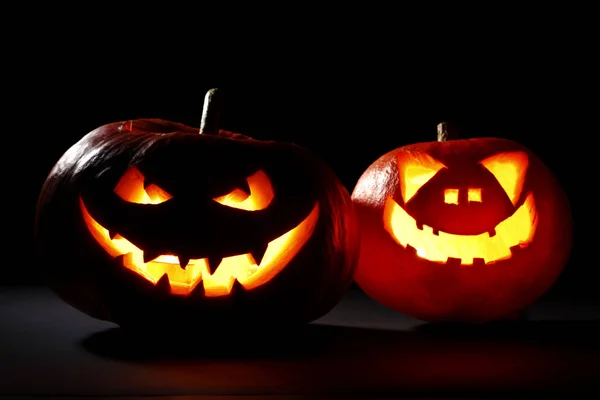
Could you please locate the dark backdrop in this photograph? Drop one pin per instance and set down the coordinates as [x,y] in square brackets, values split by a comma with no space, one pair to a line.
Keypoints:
[348,108]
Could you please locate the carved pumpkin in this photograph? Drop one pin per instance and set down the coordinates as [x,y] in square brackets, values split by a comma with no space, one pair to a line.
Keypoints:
[149,222]
[461,230]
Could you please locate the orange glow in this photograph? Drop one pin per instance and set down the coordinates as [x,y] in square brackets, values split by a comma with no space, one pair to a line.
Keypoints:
[451,196]
[509,169]
[261,194]
[241,267]
[415,169]
[518,229]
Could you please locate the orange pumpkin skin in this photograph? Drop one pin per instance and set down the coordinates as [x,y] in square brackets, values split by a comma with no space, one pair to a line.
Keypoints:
[401,277]
[82,201]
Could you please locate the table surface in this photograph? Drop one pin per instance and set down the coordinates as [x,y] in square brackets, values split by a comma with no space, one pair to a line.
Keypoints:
[359,348]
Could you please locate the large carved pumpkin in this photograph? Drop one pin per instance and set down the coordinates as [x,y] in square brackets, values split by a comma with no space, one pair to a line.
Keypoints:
[151,222]
[461,229]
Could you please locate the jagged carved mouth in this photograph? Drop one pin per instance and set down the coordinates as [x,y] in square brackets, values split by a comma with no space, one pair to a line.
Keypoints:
[185,275]
[510,235]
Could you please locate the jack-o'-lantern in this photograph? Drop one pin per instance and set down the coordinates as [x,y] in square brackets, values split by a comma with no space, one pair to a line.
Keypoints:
[151,222]
[460,230]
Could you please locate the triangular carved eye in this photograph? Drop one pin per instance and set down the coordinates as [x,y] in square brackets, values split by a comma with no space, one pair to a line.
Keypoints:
[509,169]
[133,188]
[415,170]
[257,194]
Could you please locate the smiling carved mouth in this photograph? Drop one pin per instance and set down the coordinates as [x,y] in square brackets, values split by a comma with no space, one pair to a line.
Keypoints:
[184,279]
[517,230]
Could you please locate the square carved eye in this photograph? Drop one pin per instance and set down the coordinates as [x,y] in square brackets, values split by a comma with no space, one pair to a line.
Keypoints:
[474,195]
[451,196]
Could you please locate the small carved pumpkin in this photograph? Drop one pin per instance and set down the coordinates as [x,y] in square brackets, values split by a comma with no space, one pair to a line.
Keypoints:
[149,222]
[464,230]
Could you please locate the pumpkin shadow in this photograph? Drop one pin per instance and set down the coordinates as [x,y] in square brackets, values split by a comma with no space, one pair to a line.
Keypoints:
[515,339]
[552,335]
[127,345]
[513,358]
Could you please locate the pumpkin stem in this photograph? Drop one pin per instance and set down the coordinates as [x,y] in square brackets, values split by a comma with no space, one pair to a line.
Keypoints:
[211,112]
[446,131]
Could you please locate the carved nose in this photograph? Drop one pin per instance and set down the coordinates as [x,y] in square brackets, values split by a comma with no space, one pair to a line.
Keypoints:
[463,196]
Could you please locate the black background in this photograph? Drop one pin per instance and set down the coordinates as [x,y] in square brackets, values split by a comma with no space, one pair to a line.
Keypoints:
[349,81]
[347,93]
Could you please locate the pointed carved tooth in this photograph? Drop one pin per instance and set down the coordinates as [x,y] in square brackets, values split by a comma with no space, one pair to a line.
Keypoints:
[198,291]
[150,255]
[435,232]
[492,233]
[163,285]
[112,234]
[419,226]
[183,261]
[237,289]
[258,253]
[213,263]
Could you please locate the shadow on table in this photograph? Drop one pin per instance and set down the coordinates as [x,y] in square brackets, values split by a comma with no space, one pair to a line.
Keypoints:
[458,358]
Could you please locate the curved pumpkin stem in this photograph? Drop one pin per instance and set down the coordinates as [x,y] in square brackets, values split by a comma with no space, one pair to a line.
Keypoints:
[446,131]
[211,112]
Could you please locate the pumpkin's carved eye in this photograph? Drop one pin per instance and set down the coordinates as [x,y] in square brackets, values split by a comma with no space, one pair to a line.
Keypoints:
[509,169]
[415,171]
[131,188]
[473,195]
[451,196]
[257,196]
